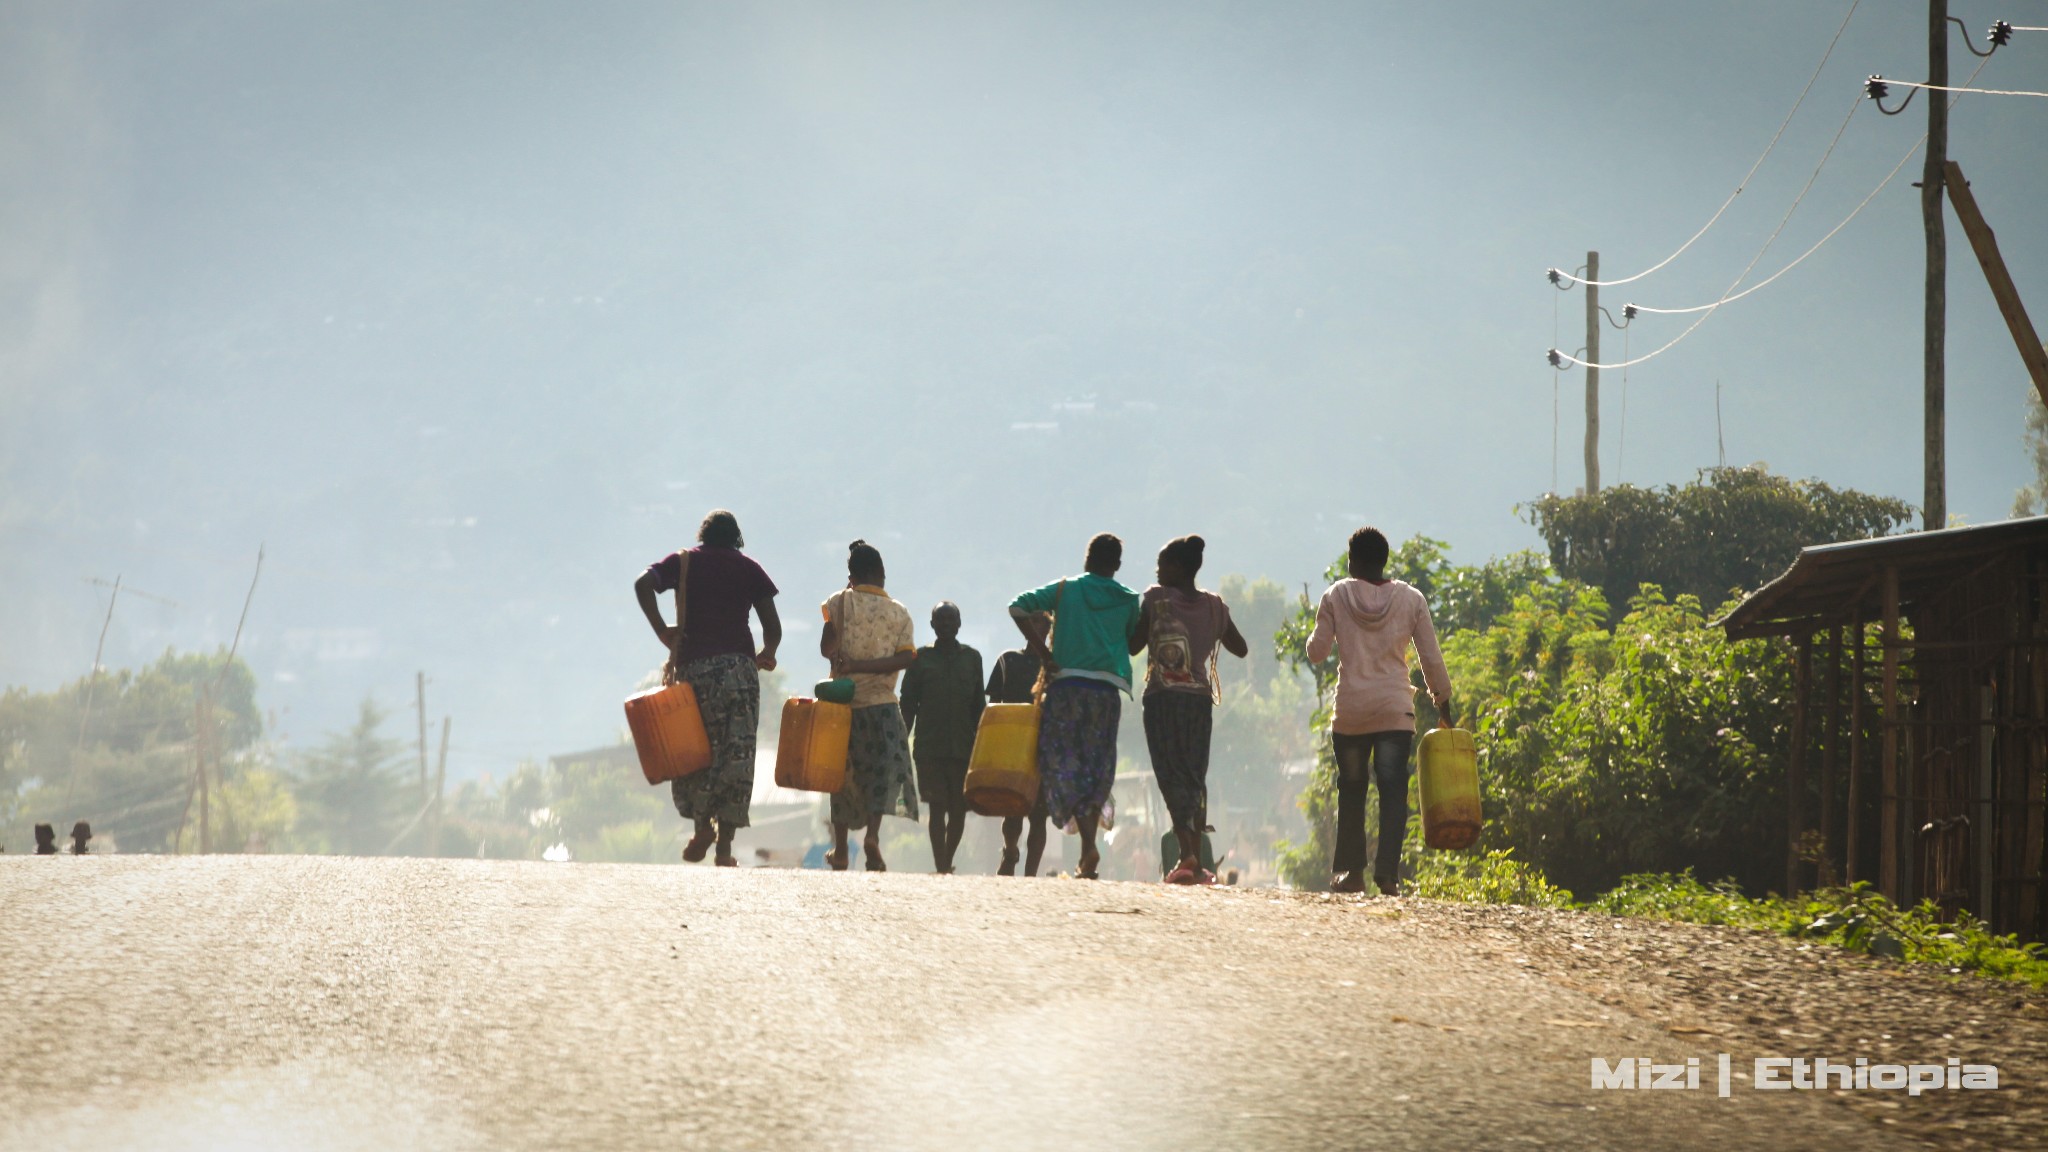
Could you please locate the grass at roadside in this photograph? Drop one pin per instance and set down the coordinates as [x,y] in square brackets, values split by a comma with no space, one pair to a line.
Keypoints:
[1855,918]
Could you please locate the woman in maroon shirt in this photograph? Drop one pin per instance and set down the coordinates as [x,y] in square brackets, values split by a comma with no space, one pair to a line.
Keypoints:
[712,649]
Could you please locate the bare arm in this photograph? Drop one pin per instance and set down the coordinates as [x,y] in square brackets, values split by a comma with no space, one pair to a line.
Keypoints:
[896,663]
[1034,629]
[771,633]
[643,588]
[1142,634]
[1233,640]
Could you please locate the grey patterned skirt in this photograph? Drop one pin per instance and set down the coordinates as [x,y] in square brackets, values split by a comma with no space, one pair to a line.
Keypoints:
[879,781]
[728,692]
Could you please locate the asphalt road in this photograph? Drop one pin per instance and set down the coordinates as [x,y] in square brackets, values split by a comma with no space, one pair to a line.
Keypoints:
[327,1003]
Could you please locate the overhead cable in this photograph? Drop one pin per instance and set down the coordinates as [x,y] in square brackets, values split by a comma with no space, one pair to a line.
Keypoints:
[1561,361]
[1879,82]
[1559,278]
[1772,238]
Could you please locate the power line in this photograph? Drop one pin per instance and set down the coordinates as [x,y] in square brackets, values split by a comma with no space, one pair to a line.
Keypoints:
[1880,83]
[1561,361]
[1557,277]
[1631,309]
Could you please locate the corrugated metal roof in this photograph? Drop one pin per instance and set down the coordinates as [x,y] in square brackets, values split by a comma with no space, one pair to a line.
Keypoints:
[1829,581]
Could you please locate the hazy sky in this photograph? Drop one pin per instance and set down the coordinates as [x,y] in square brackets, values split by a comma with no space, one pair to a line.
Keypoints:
[468,311]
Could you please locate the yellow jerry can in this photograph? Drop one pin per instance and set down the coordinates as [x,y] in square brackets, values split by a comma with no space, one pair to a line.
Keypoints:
[1450,789]
[668,732]
[810,755]
[1002,774]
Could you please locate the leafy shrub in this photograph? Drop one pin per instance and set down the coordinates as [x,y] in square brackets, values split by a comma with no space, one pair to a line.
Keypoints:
[1494,877]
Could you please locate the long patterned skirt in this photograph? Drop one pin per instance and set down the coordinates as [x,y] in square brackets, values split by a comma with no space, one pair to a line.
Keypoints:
[879,781]
[1177,730]
[1077,749]
[728,692]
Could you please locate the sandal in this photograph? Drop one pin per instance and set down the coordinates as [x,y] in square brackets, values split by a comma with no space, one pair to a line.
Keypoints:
[1182,874]
[693,852]
[1084,868]
[1009,865]
[1349,882]
[728,861]
[872,854]
[837,861]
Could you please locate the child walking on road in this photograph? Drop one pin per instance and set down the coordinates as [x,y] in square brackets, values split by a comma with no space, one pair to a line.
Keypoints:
[942,704]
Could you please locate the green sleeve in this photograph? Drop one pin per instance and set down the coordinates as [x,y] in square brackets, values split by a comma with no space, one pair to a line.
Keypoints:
[1038,599]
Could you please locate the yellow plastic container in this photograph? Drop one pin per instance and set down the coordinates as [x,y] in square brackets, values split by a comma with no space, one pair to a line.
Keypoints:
[668,732]
[1002,774]
[810,755]
[1450,789]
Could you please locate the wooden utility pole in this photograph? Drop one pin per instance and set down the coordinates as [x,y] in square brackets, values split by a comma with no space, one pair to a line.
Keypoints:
[1832,736]
[1592,373]
[1795,766]
[440,786]
[1888,819]
[1985,245]
[1934,349]
[420,697]
[1853,817]
[202,725]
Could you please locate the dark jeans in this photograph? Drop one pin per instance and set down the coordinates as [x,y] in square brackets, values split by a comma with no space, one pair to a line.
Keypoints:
[1379,758]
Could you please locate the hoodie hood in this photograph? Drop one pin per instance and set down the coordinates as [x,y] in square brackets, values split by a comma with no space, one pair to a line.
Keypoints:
[1370,606]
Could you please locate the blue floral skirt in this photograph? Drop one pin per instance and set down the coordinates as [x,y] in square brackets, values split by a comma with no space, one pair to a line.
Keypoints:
[1077,749]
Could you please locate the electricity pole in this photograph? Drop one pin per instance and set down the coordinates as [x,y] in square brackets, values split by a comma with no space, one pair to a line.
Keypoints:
[1934,503]
[440,785]
[420,696]
[1593,371]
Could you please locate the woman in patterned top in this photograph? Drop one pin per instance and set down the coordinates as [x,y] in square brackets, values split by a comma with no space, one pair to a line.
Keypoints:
[868,638]
[712,649]
[1183,626]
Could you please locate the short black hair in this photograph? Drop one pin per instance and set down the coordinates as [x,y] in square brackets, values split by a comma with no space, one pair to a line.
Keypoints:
[1369,550]
[1106,550]
[720,529]
[1186,552]
[862,559]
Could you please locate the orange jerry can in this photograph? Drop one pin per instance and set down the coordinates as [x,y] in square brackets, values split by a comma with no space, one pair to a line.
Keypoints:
[810,755]
[1002,774]
[1450,789]
[668,732]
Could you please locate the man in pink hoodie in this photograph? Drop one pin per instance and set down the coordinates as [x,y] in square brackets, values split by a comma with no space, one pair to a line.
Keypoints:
[1371,621]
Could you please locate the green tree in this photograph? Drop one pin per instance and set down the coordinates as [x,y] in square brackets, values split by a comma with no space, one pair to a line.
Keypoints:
[2032,500]
[1257,607]
[1656,747]
[115,747]
[1732,528]
[351,793]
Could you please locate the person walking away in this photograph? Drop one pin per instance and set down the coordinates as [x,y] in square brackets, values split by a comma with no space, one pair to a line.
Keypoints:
[1372,621]
[711,648]
[1011,682]
[868,637]
[1094,635]
[1182,625]
[941,703]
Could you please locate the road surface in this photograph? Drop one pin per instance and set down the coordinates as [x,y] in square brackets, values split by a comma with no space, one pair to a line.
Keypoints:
[334,1003]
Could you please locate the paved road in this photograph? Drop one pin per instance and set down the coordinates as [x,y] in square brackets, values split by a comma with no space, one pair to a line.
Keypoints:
[323,1003]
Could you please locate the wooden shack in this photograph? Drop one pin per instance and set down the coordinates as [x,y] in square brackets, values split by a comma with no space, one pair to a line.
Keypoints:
[1921,739]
